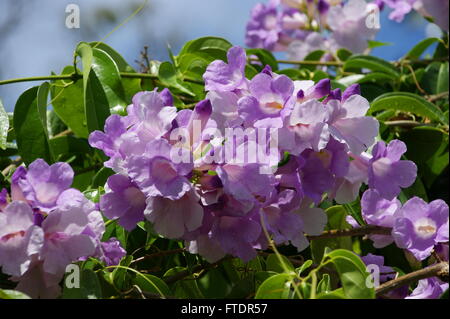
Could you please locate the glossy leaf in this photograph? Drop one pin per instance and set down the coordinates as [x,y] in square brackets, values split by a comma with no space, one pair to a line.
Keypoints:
[372,63]
[31,135]
[275,287]
[408,102]
[352,273]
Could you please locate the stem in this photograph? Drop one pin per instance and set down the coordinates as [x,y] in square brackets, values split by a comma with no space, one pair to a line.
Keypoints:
[73,76]
[436,97]
[361,231]
[76,76]
[185,273]
[159,254]
[405,123]
[437,270]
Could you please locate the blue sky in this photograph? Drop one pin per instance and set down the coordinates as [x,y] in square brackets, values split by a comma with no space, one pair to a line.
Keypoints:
[40,42]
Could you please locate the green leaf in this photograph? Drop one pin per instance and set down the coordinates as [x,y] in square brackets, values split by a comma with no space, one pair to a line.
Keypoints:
[168,77]
[64,145]
[343,54]
[215,47]
[101,177]
[324,285]
[313,56]
[90,287]
[275,287]
[214,284]
[4,126]
[96,104]
[375,44]
[372,63]
[186,288]
[196,55]
[68,103]
[352,273]
[303,267]
[31,135]
[152,284]
[12,294]
[265,57]
[408,102]
[131,86]
[429,80]
[428,148]
[103,90]
[273,263]
[442,80]
[419,48]
[335,294]
[336,220]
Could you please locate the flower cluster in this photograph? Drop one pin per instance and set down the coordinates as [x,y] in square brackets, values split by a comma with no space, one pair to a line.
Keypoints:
[417,226]
[45,225]
[256,156]
[303,26]
[435,9]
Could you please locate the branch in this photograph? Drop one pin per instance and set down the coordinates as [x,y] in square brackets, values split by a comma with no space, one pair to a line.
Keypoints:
[160,254]
[436,97]
[76,76]
[437,270]
[361,231]
[406,123]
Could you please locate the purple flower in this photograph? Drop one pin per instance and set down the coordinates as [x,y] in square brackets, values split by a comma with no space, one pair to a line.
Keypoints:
[236,235]
[421,226]
[429,288]
[20,239]
[264,26]
[112,252]
[43,184]
[348,24]
[381,212]
[387,173]
[386,273]
[269,98]
[109,141]
[65,241]
[36,283]
[353,89]
[156,174]
[220,76]
[244,182]
[3,198]
[125,201]
[281,222]
[151,117]
[298,49]
[438,10]
[348,124]
[173,218]
[292,19]
[400,8]
[224,109]
[16,191]
[346,189]
[166,97]
[322,168]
